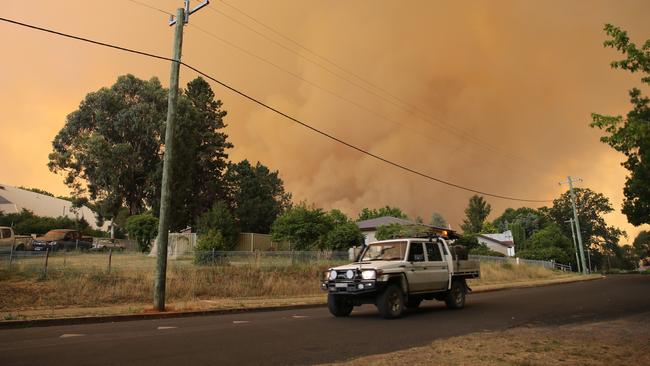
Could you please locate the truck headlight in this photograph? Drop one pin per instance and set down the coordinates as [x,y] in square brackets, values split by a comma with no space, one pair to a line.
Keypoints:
[349,274]
[369,275]
[332,275]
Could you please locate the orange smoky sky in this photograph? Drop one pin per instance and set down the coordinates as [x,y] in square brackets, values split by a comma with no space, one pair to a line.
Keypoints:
[492,95]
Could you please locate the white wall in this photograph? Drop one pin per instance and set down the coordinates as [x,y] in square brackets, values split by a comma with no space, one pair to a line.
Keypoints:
[370,236]
[497,247]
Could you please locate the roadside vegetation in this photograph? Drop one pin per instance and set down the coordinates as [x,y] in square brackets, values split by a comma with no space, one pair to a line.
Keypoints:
[83,280]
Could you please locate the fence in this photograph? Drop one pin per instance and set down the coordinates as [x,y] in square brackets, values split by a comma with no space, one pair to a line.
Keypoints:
[271,257]
[532,262]
[262,242]
[114,260]
[180,247]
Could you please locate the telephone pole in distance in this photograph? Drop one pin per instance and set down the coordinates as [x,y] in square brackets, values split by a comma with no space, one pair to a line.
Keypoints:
[577,222]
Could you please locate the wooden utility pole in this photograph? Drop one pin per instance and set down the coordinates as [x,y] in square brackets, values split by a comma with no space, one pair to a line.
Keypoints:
[182,17]
[575,245]
[583,263]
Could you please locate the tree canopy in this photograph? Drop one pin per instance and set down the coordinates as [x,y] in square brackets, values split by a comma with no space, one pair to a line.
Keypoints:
[437,220]
[592,207]
[257,195]
[641,245]
[631,135]
[367,214]
[110,149]
[475,214]
[307,228]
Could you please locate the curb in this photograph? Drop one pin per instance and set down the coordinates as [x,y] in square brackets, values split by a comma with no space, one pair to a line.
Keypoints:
[10,324]
[530,285]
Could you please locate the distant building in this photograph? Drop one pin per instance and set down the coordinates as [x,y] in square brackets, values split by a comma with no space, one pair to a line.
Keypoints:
[14,200]
[502,243]
[369,227]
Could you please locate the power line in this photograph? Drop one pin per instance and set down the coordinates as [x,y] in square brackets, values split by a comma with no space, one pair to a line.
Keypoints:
[422,134]
[405,106]
[273,109]
[150,7]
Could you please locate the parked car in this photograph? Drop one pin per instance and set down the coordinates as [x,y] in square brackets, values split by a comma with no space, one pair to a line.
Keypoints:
[9,239]
[62,239]
[106,244]
[398,274]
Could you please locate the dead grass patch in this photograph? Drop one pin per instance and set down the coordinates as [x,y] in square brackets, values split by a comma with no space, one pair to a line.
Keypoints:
[620,342]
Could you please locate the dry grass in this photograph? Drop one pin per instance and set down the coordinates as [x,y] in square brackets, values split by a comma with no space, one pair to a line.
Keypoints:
[82,281]
[499,273]
[85,281]
[620,342]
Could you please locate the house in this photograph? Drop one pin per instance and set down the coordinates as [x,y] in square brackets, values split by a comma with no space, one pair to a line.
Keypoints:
[502,243]
[14,200]
[369,227]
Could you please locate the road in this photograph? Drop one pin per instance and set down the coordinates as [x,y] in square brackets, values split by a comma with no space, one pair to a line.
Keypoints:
[310,336]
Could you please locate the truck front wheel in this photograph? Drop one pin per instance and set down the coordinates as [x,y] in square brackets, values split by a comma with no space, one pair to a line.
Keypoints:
[391,302]
[339,305]
[456,296]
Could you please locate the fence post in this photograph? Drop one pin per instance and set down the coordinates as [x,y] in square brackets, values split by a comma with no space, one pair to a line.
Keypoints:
[64,258]
[110,258]
[47,257]
[76,245]
[11,256]
[213,253]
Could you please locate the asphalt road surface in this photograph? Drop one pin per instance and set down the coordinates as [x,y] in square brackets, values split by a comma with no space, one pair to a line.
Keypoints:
[311,336]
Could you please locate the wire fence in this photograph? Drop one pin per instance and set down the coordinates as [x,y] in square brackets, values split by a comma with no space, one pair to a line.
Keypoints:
[532,262]
[112,260]
[120,260]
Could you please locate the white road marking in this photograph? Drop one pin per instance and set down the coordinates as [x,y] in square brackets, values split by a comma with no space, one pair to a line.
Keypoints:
[71,335]
[240,321]
[163,328]
[300,316]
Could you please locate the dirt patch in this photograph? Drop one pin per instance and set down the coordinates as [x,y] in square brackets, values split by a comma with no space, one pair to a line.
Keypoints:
[619,342]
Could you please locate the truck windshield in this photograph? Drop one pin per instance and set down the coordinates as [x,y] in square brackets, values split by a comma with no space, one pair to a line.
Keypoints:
[393,251]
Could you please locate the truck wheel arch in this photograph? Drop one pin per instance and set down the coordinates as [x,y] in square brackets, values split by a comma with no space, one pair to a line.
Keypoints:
[400,280]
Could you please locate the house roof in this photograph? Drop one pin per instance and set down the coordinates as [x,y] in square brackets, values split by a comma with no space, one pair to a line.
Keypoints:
[504,238]
[14,200]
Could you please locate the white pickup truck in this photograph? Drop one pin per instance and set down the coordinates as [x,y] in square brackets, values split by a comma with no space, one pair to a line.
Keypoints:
[401,273]
[9,239]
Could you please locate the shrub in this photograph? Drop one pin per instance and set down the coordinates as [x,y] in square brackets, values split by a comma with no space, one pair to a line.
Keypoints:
[343,236]
[207,242]
[218,220]
[483,249]
[142,228]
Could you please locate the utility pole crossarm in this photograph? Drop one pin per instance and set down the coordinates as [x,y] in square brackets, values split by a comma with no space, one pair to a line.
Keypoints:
[188,11]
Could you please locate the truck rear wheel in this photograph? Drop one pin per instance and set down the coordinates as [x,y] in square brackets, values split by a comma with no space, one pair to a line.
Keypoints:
[456,296]
[391,302]
[339,305]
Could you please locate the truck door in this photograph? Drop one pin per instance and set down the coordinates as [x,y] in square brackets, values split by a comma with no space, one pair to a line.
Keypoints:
[416,270]
[437,267]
